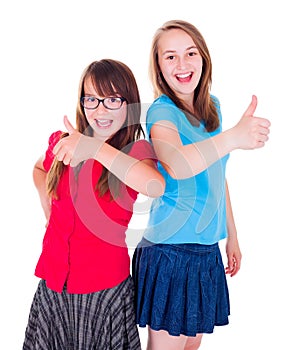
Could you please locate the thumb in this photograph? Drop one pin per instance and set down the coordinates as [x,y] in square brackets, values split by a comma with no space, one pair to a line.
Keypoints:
[252,107]
[68,125]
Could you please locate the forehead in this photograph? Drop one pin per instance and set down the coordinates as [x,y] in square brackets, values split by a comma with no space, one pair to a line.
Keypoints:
[174,40]
[101,86]
[88,84]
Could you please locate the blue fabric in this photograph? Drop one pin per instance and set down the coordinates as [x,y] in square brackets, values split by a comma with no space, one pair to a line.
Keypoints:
[180,288]
[191,210]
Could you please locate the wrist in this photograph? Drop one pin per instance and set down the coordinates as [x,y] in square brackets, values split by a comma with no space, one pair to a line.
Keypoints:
[232,236]
[231,140]
[97,148]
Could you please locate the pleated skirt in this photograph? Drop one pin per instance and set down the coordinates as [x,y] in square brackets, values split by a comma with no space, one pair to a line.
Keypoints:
[104,320]
[180,288]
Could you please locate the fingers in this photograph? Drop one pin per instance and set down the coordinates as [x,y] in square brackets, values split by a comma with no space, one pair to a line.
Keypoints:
[64,149]
[253,131]
[68,125]
[65,158]
[56,149]
[61,154]
[251,110]
[58,146]
[233,267]
[252,107]
[261,135]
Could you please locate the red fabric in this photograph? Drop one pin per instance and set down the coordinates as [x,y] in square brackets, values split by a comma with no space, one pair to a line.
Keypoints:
[84,244]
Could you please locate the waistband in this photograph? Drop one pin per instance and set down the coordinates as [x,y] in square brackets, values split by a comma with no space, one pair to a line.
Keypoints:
[191,247]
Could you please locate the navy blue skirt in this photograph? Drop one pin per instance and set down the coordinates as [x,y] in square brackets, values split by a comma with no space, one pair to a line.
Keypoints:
[180,288]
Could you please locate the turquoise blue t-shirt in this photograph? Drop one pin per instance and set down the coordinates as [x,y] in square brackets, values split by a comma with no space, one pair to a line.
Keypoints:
[191,210]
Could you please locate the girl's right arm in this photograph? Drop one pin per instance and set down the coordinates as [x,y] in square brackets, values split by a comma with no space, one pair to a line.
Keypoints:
[39,178]
[184,161]
[140,175]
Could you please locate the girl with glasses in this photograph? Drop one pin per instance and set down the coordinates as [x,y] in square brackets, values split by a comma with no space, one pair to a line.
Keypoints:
[88,181]
[181,288]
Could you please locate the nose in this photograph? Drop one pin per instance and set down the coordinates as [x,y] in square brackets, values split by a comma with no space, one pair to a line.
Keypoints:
[101,109]
[182,62]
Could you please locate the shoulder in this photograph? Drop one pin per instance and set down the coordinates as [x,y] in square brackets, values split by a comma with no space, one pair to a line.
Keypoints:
[163,108]
[163,101]
[142,149]
[217,104]
[54,137]
[215,100]
[49,156]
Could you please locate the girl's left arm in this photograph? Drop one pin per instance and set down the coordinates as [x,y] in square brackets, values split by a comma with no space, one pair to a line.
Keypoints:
[232,247]
[39,178]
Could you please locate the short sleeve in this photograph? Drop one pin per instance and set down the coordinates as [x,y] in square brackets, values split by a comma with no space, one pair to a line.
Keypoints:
[49,156]
[142,149]
[218,109]
[160,111]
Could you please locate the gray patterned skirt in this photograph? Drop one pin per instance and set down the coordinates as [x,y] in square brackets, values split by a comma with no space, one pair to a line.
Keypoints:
[104,320]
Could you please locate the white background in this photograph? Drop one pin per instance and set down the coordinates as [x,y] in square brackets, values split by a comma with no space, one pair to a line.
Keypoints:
[45,45]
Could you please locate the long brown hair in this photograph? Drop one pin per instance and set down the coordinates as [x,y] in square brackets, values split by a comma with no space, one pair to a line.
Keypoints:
[109,77]
[204,105]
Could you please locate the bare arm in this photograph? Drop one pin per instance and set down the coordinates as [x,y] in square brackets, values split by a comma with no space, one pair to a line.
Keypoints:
[184,161]
[142,176]
[39,178]
[232,247]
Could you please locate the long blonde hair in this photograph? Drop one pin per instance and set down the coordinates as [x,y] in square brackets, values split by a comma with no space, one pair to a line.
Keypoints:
[204,105]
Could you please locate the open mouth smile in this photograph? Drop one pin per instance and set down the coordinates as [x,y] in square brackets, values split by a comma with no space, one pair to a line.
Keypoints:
[185,77]
[104,123]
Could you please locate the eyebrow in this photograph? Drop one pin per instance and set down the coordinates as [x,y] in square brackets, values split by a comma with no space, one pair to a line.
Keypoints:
[187,49]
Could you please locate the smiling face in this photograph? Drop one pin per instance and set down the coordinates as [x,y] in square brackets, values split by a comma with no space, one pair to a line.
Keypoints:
[180,63]
[104,122]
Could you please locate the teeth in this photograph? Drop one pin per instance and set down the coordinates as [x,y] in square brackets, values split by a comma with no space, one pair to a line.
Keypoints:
[182,76]
[104,122]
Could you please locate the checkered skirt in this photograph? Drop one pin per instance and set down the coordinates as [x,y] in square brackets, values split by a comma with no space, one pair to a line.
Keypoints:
[98,321]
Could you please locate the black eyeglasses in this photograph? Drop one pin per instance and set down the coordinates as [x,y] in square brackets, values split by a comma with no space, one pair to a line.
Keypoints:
[91,102]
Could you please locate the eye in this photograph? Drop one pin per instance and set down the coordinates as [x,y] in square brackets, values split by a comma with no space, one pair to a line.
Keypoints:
[113,102]
[193,53]
[114,99]
[90,98]
[171,57]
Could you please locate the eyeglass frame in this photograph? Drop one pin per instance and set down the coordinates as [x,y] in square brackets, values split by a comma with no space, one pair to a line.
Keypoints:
[122,99]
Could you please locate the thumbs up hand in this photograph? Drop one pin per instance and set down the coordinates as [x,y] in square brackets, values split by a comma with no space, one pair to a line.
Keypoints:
[69,127]
[251,132]
[76,147]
